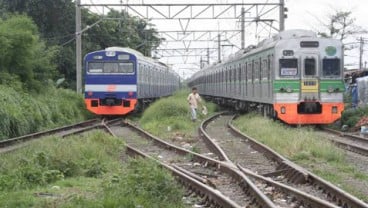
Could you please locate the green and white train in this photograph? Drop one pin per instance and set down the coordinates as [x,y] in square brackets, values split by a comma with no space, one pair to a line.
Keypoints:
[294,76]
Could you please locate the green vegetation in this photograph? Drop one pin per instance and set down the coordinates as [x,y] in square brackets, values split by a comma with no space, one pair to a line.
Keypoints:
[305,147]
[295,143]
[83,171]
[30,100]
[23,55]
[23,112]
[55,20]
[171,115]
[350,117]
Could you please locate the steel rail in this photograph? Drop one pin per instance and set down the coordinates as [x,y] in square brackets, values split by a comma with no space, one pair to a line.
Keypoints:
[28,137]
[306,199]
[335,194]
[213,146]
[363,150]
[189,180]
[229,168]
[212,196]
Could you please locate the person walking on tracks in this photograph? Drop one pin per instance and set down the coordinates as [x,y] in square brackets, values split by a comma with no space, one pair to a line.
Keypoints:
[193,100]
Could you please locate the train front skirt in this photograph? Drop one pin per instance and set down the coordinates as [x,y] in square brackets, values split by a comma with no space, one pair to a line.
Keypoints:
[109,107]
[327,114]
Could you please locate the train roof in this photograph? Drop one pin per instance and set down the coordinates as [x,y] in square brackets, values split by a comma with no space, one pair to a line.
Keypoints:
[123,49]
[267,43]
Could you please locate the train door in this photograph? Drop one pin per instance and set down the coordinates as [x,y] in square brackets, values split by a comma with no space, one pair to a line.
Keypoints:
[309,89]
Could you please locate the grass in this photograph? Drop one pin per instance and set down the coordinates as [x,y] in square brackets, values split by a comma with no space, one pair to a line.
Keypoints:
[83,171]
[304,146]
[22,113]
[170,116]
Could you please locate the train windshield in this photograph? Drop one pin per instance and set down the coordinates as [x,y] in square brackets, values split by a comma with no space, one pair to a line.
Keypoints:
[310,66]
[331,67]
[110,67]
[288,67]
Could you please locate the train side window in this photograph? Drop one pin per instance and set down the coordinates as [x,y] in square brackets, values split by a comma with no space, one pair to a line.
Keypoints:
[240,72]
[256,70]
[269,67]
[309,66]
[245,71]
[331,67]
[288,67]
[249,71]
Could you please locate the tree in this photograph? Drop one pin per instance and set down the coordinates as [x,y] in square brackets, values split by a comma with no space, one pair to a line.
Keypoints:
[23,54]
[341,25]
[56,22]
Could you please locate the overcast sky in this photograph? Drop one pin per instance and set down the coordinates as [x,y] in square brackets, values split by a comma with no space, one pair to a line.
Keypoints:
[302,14]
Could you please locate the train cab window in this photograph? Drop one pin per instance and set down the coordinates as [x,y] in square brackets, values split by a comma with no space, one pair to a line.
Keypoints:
[288,67]
[331,67]
[309,67]
[110,67]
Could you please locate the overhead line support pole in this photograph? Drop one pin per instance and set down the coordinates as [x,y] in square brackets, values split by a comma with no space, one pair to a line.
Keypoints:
[242,28]
[282,16]
[219,47]
[78,48]
[361,51]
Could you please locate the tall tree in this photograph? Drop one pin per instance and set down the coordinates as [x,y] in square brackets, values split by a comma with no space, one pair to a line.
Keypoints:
[56,22]
[23,54]
[341,25]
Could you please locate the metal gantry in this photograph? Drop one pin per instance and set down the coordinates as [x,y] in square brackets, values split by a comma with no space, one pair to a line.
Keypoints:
[194,32]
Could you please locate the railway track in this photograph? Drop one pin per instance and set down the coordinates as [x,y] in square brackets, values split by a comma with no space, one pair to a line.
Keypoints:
[225,179]
[348,141]
[276,176]
[18,142]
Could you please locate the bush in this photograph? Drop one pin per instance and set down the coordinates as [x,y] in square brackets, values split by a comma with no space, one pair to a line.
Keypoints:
[351,116]
[141,183]
[22,113]
[172,111]
[46,162]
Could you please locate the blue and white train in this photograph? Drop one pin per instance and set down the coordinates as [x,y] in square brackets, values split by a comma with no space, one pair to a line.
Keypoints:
[118,80]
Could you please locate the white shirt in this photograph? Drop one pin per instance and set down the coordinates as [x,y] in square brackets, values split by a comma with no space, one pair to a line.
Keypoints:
[193,100]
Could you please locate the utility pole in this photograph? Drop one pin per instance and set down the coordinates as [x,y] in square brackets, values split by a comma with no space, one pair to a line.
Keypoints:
[219,48]
[242,28]
[78,48]
[361,51]
[208,56]
[282,16]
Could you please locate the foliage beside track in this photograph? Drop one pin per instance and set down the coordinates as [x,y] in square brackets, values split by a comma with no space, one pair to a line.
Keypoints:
[22,112]
[351,116]
[83,171]
[170,115]
[305,147]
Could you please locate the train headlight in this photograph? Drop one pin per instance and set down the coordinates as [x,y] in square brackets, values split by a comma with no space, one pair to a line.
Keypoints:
[283,110]
[288,89]
[334,109]
[130,94]
[89,93]
[330,90]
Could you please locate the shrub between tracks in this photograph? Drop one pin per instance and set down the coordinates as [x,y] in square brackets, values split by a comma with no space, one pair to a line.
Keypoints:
[22,113]
[172,114]
[87,172]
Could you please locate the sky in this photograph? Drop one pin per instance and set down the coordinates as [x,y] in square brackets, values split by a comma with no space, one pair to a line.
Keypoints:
[302,14]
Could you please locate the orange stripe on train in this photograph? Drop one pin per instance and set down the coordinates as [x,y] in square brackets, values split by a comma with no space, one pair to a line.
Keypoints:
[291,115]
[110,110]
